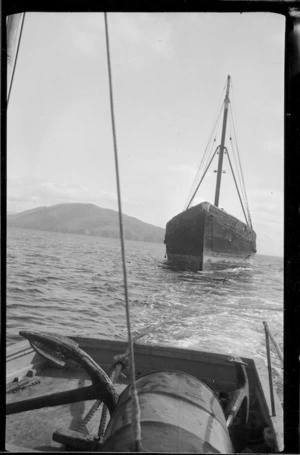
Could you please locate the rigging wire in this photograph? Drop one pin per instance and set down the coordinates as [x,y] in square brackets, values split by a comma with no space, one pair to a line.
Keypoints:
[241,190]
[212,131]
[240,165]
[236,176]
[194,191]
[208,157]
[237,188]
[194,194]
[135,409]
[205,158]
[235,154]
[15,57]
[242,176]
[237,173]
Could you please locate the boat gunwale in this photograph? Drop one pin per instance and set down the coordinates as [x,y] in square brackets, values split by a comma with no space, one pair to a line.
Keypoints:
[23,348]
[160,349]
[33,361]
[206,207]
[193,353]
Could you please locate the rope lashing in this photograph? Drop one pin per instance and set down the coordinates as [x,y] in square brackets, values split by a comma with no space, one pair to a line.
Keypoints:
[135,409]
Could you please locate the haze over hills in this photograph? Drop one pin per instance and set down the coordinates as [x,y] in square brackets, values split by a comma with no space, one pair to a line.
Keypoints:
[86,219]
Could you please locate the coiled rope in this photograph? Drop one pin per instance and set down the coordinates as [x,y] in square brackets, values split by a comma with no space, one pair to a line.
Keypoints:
[135,409]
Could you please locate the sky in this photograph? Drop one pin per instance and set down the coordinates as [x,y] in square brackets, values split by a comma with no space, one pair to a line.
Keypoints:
[169,71]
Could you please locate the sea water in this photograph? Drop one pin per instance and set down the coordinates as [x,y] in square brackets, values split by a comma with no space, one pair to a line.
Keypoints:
[73,285]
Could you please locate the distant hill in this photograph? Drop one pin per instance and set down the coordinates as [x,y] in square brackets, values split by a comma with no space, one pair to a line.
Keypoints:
[86,219]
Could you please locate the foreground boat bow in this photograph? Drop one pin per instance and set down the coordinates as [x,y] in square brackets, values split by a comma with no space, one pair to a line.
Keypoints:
[216,403]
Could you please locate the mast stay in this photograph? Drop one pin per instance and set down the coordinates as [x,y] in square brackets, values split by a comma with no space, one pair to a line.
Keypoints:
[206,158]
[223,150]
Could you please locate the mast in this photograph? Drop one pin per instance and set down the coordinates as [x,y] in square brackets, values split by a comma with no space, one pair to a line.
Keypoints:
[221,152]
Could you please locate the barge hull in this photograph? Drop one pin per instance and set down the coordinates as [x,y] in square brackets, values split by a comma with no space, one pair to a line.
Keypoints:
[205,237]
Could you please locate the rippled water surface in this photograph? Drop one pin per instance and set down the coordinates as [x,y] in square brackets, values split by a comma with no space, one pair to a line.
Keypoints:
[73,285]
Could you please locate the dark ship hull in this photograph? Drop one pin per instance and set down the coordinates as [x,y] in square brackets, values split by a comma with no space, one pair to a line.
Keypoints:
[205,237]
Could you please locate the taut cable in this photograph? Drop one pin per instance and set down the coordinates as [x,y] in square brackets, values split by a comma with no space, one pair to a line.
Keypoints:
[135,409]
[15,56]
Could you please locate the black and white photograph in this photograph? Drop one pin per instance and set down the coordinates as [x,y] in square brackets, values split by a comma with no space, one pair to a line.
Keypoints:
[145,232]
